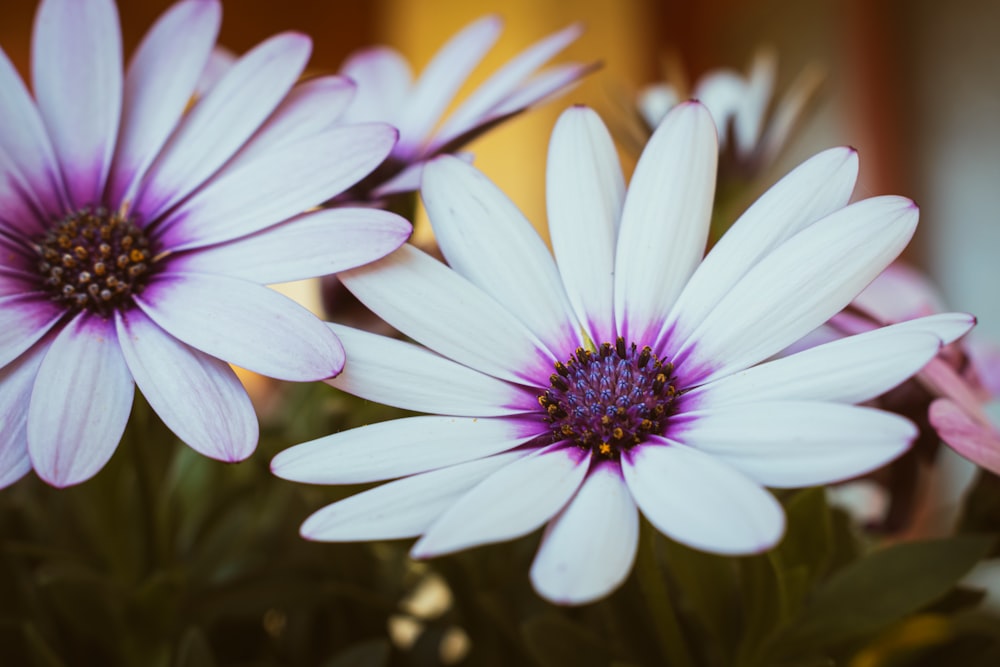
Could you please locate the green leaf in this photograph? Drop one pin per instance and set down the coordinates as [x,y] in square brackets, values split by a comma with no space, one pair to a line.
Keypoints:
[193,650]
[885,586]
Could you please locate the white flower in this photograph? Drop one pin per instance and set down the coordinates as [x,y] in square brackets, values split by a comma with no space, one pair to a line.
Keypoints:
[623,375]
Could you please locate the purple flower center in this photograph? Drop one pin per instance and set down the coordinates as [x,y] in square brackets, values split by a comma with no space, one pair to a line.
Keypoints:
[609,400]
[94,260]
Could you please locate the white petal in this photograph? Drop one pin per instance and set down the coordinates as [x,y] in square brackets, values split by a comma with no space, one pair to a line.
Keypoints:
[797,287]
[484,236]
[159,84]
[411,377]
[80,402]
[748,123]
[221,122]
[24,319]
[655,101]
[589,548]
[698,500]
[310,108]
[243,323]
[76,65]
[197,396]
[510,503]
[551,83]
[502,83]
[441,79]
[401,447]
[900,293]
[585,189]
[26,143]
[313,244]
[849,370]
[403,508]
[437,307]
[248,196]
[814,189]
[665,220]
[383,79]
[16,381]
[794,444]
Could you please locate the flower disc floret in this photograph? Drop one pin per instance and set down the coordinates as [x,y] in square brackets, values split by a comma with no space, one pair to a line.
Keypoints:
[609,400]
[94,259]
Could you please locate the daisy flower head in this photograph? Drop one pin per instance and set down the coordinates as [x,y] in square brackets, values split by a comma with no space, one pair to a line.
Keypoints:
[387,91]
[137,235]
[627,373]
[751,133]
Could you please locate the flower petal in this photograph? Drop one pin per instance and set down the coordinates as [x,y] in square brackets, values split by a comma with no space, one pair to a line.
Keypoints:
[748,123]
[310,245]
[16,381]
[383,79]
[551,83]
[81,105]
[900,293]
[849,370]
[797,287]
[503,83]
[585,190]
[665,220]
[24,319]
[510,503]
[790,444]
[814,189]
[403,508]
[947,327]
[975,441]
[28,150]
[243,323]
[249,196]
[697,500]
[482,235]
[311,107]
[80,402]
[221,122]
[197,396]
[411,377]
[401,447]
[467,326]
[441,78]
[158,86]
[589,548]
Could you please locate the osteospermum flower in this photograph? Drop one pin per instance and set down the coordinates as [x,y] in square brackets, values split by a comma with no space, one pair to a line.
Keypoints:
[750,131]
[387,91]
[136,236]
[626,374]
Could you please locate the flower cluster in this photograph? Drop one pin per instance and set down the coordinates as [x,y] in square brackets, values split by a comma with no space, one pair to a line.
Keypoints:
[628,373]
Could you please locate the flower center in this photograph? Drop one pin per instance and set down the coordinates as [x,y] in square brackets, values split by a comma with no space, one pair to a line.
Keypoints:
[94,260]
[609,400]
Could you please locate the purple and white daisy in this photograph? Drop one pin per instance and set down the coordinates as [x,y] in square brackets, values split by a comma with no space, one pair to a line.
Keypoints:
[137,236]
[388,92]
[626,374]
[749,130]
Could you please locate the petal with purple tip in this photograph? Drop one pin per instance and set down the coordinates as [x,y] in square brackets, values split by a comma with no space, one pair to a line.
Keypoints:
[83,132]
[789,444]
[403,508]
[243,323]
[511,502]
[159,84]
[80,402]
[697,500]
[197,396]
[314,244]
[585,190]
[588,549]
[665,220]
[400,447]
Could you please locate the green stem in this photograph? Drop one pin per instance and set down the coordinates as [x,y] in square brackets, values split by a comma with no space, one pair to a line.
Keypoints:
[661,607]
